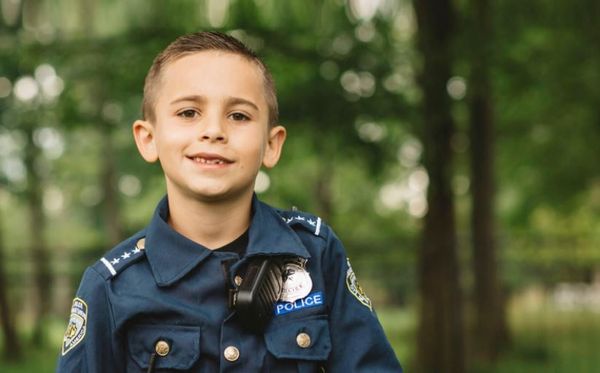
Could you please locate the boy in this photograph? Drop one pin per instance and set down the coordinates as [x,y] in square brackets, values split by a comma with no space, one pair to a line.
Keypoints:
[185,294]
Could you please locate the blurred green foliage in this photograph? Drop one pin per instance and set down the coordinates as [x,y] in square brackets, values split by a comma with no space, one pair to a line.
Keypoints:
[346,76]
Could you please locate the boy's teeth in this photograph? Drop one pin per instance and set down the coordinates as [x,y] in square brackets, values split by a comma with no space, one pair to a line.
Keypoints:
[208,161]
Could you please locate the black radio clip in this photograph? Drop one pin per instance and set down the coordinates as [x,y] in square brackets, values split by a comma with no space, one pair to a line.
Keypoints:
[254,299]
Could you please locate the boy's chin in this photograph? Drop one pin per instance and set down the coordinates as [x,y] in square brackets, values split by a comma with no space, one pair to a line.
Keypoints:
[220,196]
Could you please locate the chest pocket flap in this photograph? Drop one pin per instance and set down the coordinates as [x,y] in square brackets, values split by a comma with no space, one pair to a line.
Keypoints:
[304,339]
[183,345]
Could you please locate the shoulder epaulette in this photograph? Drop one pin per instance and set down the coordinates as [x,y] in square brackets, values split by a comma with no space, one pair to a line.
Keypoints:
[121,257]
[308,222]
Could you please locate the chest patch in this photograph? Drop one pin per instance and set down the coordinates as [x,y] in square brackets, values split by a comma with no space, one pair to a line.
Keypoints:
[77,324]
[297,283]
[355,289]
[312,300]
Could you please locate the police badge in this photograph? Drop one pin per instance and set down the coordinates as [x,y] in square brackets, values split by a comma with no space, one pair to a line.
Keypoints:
[76,329]
[297,283]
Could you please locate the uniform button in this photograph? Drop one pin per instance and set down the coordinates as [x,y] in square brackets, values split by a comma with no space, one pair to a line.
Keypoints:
[238,280]
[162,348]
[231,353]
[141,243]
[303,340]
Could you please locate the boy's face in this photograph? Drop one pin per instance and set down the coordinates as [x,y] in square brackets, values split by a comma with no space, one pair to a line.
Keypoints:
[211,132]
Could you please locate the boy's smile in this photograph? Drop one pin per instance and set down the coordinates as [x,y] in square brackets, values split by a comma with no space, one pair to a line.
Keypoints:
[211,133]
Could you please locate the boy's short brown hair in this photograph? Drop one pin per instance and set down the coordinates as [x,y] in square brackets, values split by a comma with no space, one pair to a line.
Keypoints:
[198,42]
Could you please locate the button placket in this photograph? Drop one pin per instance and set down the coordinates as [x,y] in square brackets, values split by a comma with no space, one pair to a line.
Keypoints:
[231,353]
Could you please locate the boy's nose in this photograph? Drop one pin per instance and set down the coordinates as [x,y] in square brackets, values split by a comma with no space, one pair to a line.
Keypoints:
[213,130]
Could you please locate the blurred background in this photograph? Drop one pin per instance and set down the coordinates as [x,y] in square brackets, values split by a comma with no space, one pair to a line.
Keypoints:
[453,146]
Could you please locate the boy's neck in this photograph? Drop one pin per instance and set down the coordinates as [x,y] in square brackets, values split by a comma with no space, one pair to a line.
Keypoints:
[211,224]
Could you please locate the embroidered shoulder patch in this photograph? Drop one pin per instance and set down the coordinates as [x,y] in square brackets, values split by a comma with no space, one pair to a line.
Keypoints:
[77,325]
[355,289]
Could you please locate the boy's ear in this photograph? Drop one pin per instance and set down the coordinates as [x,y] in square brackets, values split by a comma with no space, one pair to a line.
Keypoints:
[143,133]
[275,142]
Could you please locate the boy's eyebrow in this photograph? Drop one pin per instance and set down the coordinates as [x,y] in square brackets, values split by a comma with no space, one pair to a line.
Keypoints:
[229,101]
[194,98]
[241,101]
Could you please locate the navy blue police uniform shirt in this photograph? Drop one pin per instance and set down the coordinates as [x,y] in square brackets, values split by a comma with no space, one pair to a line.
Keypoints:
[159,293]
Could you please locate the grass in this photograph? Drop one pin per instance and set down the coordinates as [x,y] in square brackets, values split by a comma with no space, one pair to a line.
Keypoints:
[544,340]
[399,325]
[551,340]
[35,361]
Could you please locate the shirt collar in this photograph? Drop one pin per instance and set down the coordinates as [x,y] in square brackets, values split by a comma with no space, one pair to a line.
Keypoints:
[172,255]
[270,235]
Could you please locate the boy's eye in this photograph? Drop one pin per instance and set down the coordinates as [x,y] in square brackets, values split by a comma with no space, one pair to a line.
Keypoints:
[188,113]
[239,117]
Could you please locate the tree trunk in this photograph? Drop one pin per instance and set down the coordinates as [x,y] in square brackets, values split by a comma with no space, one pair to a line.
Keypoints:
[490,332]
[323,191]
[108,174]
[112,217]
[38,249]
[12,346]
[440,335]
[323,187]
